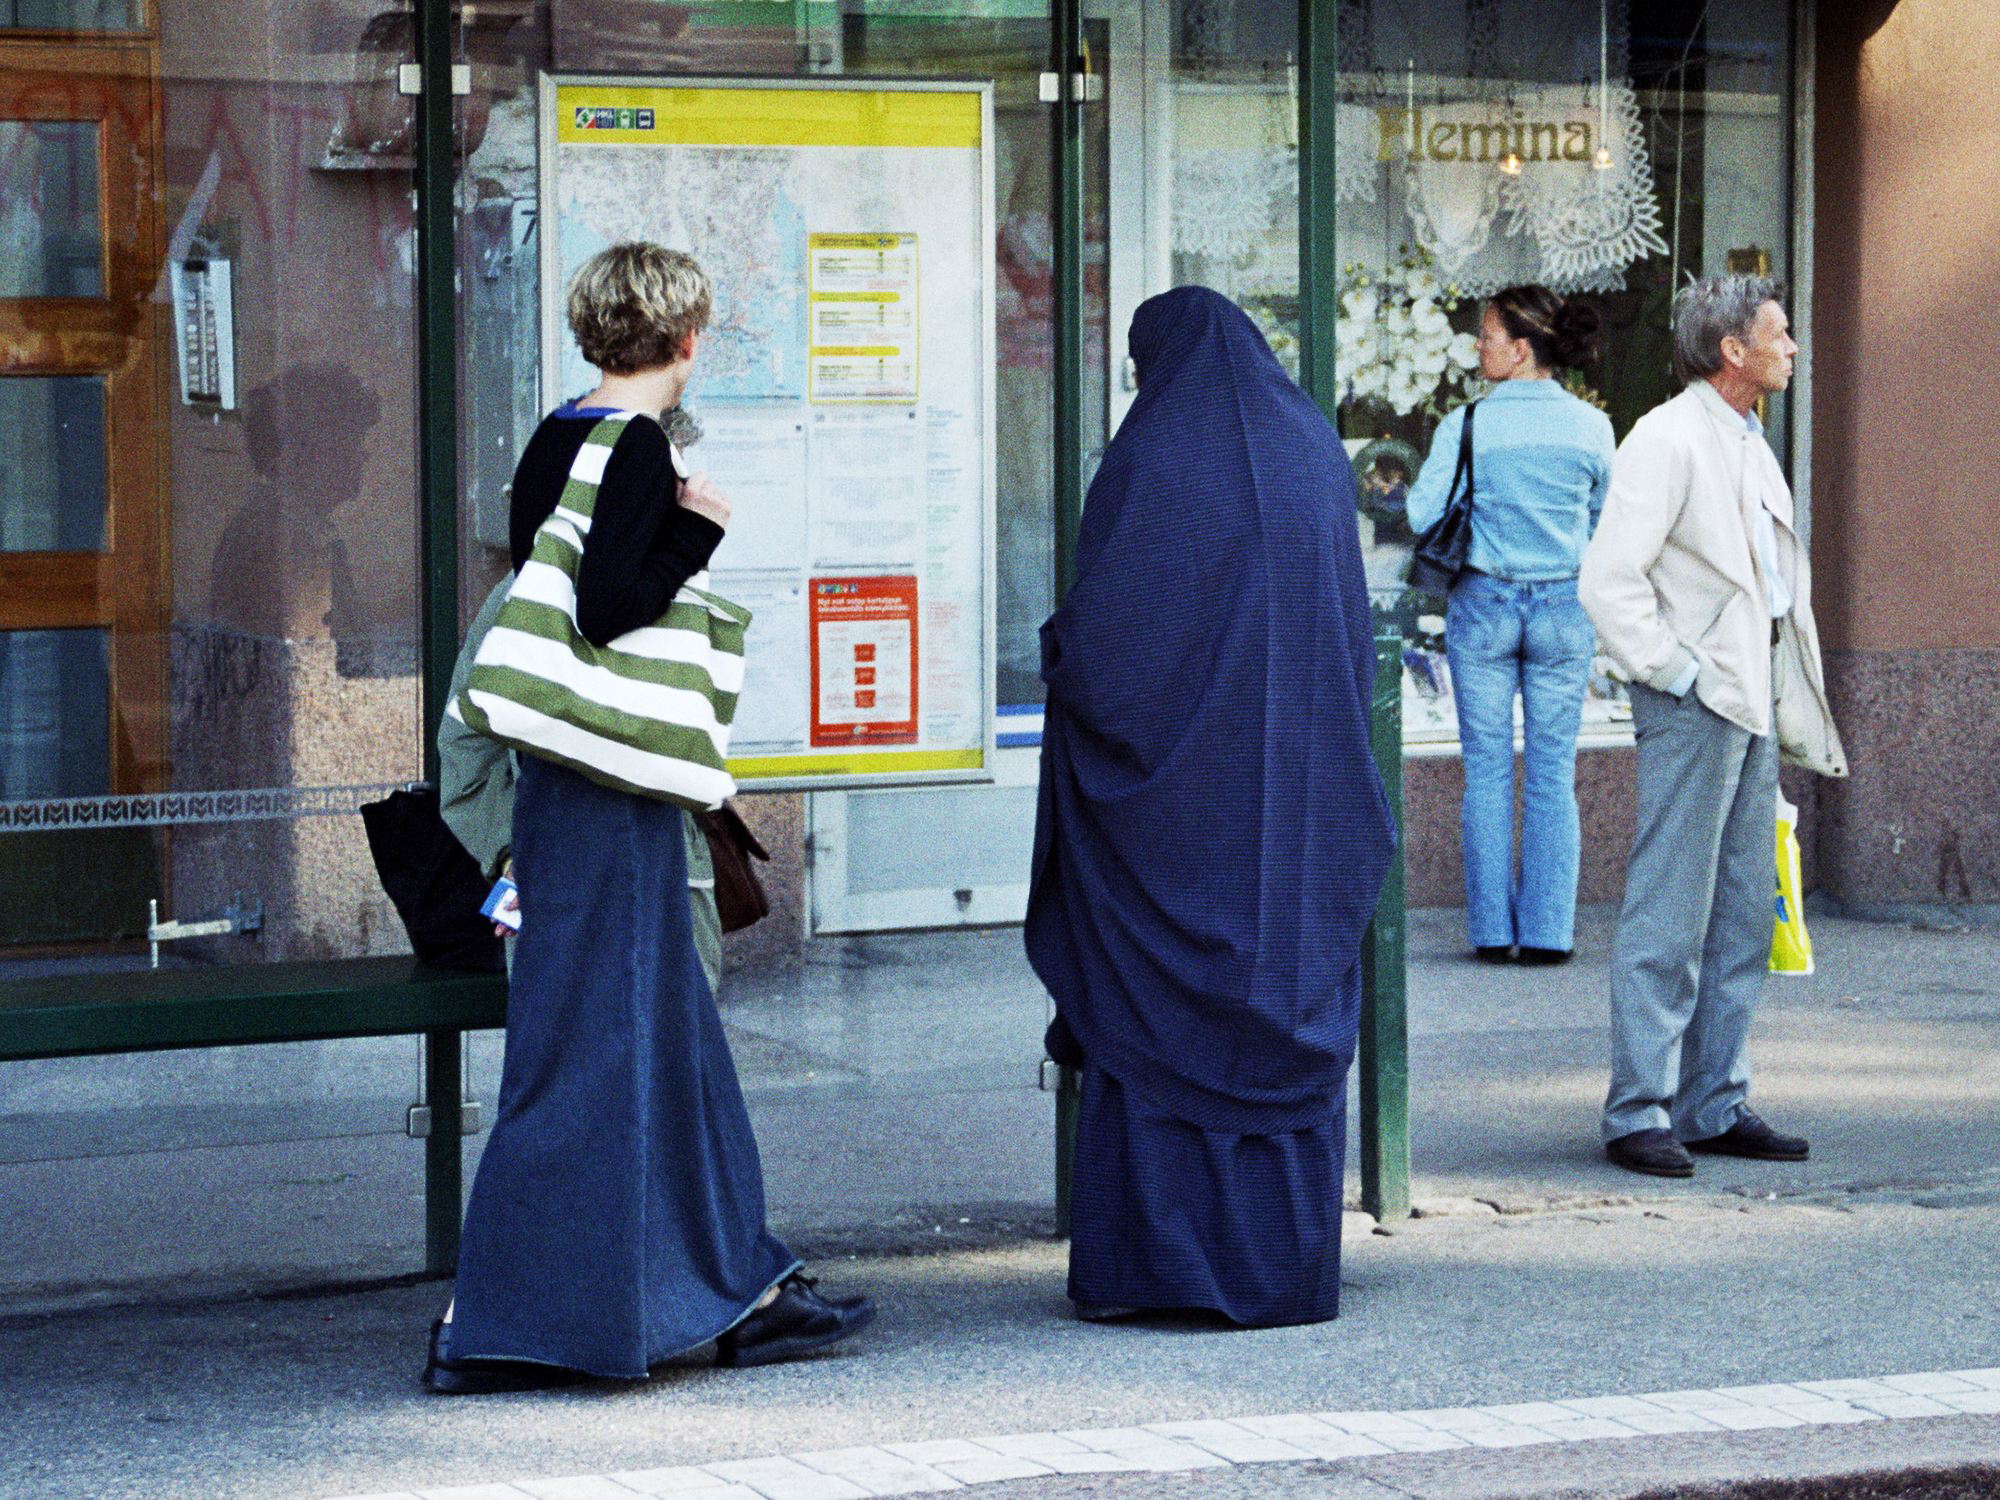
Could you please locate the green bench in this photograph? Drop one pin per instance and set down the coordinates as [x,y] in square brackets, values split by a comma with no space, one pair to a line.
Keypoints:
[79,1015]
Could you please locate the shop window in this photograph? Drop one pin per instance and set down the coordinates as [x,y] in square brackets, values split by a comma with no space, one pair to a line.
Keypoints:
[1609,149]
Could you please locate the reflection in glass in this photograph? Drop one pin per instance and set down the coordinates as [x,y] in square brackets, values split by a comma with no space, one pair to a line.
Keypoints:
[55,714]
[52,465]
[49,209]
[72,15]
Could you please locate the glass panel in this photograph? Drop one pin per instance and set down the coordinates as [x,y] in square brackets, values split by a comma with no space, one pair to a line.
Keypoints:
[1004,40]
[258,589]
[55,713]
[50,210]
[1234,159]
[1609,152]
[291,655]
[73,15]
[52,468]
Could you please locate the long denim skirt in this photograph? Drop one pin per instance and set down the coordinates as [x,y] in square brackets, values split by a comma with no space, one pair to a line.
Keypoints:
[617,1217]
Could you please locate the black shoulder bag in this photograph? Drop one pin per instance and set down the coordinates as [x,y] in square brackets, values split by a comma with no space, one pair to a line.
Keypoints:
[1440,552]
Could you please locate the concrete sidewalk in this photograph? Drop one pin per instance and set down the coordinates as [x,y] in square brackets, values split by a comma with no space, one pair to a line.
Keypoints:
[316,1396]
[893,1085]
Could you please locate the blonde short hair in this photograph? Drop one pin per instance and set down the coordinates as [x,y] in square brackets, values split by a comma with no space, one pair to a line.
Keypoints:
[632,307]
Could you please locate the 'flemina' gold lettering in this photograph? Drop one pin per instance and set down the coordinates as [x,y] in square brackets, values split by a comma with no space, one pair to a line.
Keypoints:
[1404,132]
[1392,127]
[1488,136]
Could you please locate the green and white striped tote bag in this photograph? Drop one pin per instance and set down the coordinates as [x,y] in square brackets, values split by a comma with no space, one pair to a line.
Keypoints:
[647,714]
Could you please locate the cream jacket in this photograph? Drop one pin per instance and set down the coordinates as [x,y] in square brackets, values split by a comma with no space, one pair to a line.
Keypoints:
[1671,576]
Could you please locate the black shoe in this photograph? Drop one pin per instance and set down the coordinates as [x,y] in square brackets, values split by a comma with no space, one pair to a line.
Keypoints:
[1544,957]
[797,1321]
[1751,1137]
[487,1377]
[1654,1152]
[1100,1312]
[1494,955]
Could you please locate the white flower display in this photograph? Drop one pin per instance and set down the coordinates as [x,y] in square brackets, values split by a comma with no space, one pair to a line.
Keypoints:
[1393,340]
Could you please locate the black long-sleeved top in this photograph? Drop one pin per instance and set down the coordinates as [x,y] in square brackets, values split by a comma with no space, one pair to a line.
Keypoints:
[642,546]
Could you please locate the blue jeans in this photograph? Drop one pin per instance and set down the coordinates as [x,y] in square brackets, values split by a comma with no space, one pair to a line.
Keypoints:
[1533,639]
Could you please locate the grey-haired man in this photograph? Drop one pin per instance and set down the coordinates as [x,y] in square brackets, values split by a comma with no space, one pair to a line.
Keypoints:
[1700,589]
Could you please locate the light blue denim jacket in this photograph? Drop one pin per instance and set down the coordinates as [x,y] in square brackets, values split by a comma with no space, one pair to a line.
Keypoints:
[1541,462]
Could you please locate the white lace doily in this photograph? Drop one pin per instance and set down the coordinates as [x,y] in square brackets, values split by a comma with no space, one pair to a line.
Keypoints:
[1563,222]
[1227,199]
[1566,223]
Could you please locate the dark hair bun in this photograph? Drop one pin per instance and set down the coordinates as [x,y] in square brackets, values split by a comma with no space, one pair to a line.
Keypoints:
[1577,326]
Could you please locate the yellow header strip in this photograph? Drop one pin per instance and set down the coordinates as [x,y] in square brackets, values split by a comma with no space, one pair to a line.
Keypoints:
[587,114]
[904,761]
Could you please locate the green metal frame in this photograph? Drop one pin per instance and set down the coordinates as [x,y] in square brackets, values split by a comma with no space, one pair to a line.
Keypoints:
[1066,142]
[1066,175]
[437,457]
[81,1015]
[1384,1053]
[1319,264]
[437,365]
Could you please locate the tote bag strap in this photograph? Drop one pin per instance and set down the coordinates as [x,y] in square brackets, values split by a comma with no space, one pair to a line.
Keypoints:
[578,500]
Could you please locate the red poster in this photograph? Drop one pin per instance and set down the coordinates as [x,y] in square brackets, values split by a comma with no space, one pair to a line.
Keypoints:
[864,661]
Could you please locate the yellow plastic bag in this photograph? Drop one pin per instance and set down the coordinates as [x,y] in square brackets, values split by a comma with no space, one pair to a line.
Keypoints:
[1791,944]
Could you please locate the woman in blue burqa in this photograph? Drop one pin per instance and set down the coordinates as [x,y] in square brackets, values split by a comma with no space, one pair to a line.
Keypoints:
[1211,835]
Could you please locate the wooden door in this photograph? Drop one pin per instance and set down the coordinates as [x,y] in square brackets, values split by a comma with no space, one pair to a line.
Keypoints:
[83,543]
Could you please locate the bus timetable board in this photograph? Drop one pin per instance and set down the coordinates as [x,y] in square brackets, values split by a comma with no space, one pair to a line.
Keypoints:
[844,387]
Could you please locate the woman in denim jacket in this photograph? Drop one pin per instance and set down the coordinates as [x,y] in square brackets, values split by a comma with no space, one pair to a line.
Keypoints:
[1541,463]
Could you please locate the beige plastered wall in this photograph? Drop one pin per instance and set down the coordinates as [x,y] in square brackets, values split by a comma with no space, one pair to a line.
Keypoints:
[1906,448]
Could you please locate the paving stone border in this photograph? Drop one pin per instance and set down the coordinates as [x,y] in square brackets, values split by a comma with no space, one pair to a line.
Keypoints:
[1162,1447]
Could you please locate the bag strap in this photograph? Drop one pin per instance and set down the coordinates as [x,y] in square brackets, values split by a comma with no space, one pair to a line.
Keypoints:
[1464,469]
[578,500]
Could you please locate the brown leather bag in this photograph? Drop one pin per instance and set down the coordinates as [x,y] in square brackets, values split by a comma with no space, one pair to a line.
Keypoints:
[739,895]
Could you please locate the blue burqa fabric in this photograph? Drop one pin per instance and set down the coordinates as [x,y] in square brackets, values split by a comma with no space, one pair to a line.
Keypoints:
[617,1217]
[1211,834]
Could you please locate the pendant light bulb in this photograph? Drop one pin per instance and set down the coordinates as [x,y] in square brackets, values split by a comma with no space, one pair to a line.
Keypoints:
[1510,164]
[1602,161]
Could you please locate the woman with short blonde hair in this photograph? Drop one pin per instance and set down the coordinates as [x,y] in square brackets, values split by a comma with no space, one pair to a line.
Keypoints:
[617,1218]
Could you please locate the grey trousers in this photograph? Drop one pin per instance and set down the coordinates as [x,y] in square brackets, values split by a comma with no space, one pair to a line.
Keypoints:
[1694,935]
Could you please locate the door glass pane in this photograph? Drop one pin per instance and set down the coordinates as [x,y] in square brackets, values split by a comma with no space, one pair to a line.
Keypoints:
[55,713]
[49,210]
[52,465]
[72,15]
